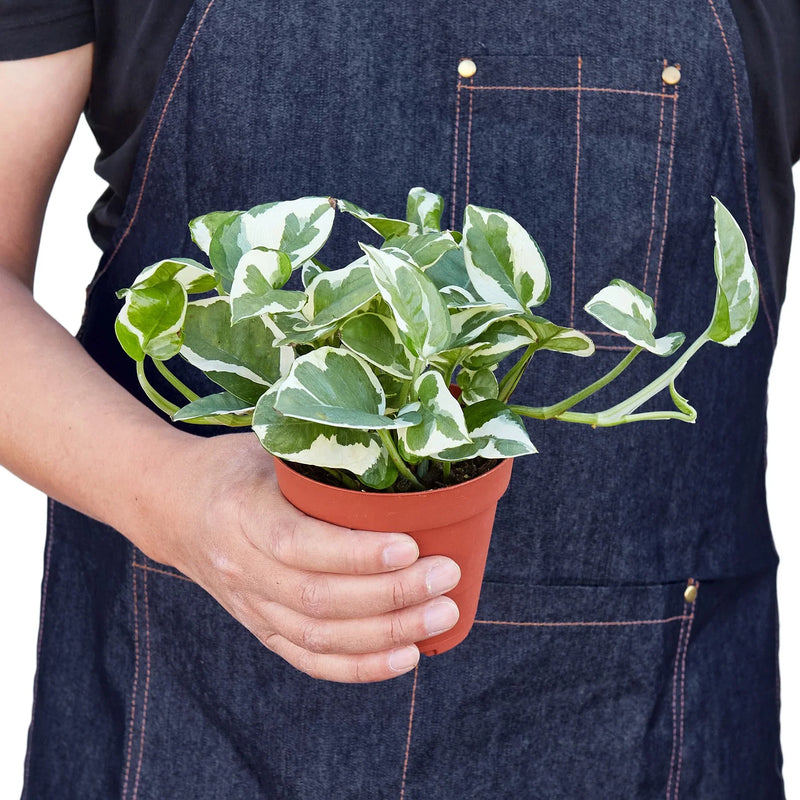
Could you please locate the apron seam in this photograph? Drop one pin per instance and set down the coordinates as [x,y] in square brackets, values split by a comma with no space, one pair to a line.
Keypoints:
[410,729]
[454,182]
[575,195]
[135,688]
[584,623]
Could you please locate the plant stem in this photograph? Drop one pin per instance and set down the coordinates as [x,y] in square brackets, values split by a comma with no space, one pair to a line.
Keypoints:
[401,465]
[416,371]
[558,409]
[343,478]
[158,400]
[445,471]
[175,381]
[511,379]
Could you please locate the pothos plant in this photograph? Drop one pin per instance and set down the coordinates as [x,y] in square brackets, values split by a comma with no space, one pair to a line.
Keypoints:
[355,373]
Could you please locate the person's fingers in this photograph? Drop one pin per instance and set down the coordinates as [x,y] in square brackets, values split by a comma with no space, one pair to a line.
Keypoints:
[305,543]
[368,635]
[363,668]
[329,596]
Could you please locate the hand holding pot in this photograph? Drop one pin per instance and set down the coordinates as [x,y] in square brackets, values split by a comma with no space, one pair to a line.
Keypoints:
[337,604]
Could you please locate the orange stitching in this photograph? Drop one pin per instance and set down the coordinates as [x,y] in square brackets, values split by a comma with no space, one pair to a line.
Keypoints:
[455,157]
[683,694]
[146,687]
[655,189]
[161,571]
[613,347]
[666,199]
[612,623]
[45,583]
[152,148]
[575,193]
[410,726]
[744,166]
[564,89]
[469,147]
[135,680]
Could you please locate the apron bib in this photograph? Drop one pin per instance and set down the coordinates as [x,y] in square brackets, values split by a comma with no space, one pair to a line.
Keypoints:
[626,637]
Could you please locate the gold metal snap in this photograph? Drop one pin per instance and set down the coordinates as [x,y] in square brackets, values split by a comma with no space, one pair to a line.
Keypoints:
[690,593]
[671,75]
[467,68]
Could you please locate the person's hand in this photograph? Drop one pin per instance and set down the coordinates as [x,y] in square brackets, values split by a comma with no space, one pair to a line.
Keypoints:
[337,604]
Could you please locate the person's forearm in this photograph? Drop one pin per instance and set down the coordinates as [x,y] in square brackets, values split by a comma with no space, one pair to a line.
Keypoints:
[68,428]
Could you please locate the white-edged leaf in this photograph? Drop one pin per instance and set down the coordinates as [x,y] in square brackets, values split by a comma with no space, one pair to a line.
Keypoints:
[359,451]
[336,294]
[442,423]
[626,310]
[499,340]
[456,297]
[495,431]
[549,336]
[334,387]
[421,315]
[194,277]
[477,385]
[736,305]
[424,209]
[310,270]
[240,357]
[383,226]
[256,285]
[221,408]
[502,260]
[470,321]
[376,339]
[202,228]
[424,250]
[151,321]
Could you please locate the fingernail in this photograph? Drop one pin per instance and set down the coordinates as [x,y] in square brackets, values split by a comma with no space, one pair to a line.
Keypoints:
[400,554]
[442,577]
[441,616]
[403,659]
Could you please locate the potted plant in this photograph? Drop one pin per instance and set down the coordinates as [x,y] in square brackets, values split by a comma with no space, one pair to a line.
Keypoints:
[376,386]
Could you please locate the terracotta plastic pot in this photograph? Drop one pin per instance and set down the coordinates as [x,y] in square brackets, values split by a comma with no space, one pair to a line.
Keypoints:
[455,522]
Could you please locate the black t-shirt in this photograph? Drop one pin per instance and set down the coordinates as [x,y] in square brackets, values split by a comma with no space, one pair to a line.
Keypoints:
[133,39]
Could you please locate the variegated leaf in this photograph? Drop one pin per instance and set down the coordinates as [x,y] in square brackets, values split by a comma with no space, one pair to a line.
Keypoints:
[451,270]
[442,423]
[310,270]
[221,408]
[478,385]
[504,263]
[303,442]
[424,209]
[240,357]
[151,321]
[336,294]
[421,315]
[256,285]
[469,322]
[376,339]
[203,228]
[456,297]
[625,309]
[383,226]
[495,431]
[499,340]
[549,336]
[298,228]
[736,305]
[424,250]
[194,277]
[334,387]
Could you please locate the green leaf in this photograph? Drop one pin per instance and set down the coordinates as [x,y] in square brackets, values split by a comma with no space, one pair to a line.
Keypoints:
[478,385]
[383,226]
[498,341]
[736,305]
[203,228]
[504,263]
[298,228]
[334,295]
[194,277]
[424,250]
[240,357]
[151,321]
[469,322]
[424,209]
[451,270]
[256,285]
[549,336]
[376,339]
[625,309]
[421,315]
[496,432]
[222,408]
[441,426]
[359,451]
[334,387]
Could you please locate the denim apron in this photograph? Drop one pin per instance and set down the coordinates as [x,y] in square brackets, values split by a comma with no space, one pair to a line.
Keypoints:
[626,638]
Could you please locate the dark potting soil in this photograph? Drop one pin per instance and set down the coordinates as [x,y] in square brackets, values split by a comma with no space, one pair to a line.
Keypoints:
[460,472]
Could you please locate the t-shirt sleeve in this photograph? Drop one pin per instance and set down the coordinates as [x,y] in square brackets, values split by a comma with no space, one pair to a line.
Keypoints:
[31,28]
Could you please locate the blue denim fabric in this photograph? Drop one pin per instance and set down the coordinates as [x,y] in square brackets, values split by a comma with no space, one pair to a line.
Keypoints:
[588,674]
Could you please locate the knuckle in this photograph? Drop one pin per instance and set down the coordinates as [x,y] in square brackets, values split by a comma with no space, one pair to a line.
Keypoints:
[399,595]
[284,537]
[398,633]
[309,664]
[315,596]
[315,637]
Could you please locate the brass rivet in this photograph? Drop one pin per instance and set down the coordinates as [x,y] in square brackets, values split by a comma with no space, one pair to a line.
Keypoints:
[690,593]
[671,75]
[467,68]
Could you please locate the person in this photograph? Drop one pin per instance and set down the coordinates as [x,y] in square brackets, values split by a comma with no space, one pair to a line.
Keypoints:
[599,663]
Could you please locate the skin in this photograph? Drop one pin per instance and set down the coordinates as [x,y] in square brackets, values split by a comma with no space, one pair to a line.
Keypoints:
[338,604]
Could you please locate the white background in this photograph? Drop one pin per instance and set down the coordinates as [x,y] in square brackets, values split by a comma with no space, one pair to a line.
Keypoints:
[66,263]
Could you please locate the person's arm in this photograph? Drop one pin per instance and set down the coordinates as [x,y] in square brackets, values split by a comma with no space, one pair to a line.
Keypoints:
[337,604]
